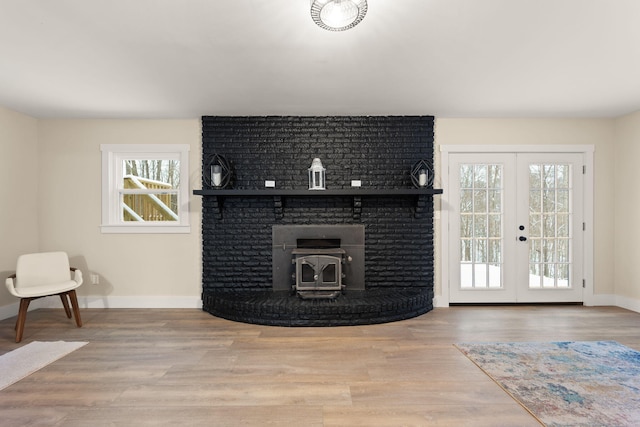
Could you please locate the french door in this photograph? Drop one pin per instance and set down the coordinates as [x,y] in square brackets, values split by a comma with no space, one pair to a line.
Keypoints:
[515,227]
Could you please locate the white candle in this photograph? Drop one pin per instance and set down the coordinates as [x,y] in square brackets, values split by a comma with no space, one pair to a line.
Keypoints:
[216,175]
[422,178]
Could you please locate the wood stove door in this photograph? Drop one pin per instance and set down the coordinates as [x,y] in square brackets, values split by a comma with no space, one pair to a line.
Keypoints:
[318,272]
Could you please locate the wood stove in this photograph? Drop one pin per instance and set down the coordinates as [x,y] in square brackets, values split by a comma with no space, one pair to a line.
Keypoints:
[318,272]
[318,261]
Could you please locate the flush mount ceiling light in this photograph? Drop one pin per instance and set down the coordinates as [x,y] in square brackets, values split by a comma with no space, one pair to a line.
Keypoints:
[338,15]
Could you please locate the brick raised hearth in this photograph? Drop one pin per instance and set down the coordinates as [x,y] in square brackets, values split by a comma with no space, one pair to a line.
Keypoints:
[237,251]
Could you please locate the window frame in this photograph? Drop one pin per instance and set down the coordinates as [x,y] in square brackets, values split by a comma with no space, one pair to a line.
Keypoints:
[113,156]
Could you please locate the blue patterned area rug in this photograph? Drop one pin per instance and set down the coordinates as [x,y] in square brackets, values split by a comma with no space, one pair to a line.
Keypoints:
[588,383]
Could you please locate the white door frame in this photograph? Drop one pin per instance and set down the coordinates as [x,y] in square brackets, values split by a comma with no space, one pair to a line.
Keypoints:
[588,242]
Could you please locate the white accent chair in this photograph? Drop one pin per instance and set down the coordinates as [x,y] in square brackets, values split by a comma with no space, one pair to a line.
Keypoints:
[41,275]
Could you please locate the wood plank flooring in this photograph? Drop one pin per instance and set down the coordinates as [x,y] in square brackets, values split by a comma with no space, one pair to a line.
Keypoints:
[147,367]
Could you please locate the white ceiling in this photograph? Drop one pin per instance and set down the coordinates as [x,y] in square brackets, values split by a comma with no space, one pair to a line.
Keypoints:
[448,58]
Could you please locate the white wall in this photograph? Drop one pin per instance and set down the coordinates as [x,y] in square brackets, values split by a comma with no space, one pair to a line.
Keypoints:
[50,170]
[18,194]
[626,208]
[597,132]
[135,269]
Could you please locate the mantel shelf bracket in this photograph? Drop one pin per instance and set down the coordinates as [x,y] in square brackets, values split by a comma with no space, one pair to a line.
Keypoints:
[357,208]
[278,210]
[217,206]
[421,207]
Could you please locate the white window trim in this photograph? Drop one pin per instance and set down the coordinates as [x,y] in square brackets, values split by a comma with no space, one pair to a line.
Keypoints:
[112,157]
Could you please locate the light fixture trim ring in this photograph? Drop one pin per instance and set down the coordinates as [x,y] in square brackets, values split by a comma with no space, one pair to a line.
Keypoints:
[318,5]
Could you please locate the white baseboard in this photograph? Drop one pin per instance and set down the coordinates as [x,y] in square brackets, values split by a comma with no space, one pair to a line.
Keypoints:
[140,302]
[9,310]
[628,303]
[195,302]
[600,299]
[439,301]
[108,302]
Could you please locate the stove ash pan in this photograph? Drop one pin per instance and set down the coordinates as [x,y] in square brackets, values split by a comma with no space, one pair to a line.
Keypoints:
[320,271]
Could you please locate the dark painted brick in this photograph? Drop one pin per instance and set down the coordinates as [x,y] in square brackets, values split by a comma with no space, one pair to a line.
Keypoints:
[378,150]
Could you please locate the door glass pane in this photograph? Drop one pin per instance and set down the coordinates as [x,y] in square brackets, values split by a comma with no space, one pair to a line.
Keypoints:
[466,176]
[535,225]
[480,176]
[481,223]
[329,273]
[495,226]
[495,201]
[308,273]
[562,201]
[466,201]
[550,226]
[480,229]
[535,200]
[495,176]
[480,201]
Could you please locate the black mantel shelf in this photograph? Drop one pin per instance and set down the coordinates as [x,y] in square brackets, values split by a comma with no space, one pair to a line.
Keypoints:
[355,193]
[308,193]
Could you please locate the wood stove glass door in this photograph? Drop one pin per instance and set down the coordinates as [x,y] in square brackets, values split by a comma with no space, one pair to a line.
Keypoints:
[515,234]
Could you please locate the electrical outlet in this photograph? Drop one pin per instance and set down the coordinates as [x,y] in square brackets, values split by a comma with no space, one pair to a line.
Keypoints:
[95,278]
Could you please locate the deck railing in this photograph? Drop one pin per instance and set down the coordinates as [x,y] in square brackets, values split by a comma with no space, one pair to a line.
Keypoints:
[145,206]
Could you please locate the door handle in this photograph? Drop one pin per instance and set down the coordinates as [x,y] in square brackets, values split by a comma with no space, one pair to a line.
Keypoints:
[522,239]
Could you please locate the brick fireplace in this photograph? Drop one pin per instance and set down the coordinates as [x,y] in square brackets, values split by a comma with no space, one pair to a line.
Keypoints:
[244,278]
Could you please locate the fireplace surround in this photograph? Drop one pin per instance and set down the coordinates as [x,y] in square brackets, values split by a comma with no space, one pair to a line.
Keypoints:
[243,278]
[286,241]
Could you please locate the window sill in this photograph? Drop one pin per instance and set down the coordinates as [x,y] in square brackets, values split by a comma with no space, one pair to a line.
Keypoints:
[145,229]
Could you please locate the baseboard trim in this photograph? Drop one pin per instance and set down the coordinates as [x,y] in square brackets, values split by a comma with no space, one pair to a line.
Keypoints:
[439,301]
[140,302]
[628,303]
[11,310]
[599,300]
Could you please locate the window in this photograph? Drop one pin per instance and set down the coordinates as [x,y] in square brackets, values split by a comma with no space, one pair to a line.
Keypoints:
[145,188]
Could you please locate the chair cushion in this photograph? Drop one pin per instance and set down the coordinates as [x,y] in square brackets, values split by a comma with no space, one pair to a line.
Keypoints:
[44,290]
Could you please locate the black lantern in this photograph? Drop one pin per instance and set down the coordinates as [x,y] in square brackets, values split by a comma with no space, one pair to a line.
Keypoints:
[422,174]
[216,171]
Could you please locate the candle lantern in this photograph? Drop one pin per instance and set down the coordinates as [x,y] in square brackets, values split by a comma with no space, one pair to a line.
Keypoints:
[422,174]
[317,175]
[216,171]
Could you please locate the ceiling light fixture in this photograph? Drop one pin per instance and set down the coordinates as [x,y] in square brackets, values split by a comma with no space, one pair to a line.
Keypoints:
[338,15]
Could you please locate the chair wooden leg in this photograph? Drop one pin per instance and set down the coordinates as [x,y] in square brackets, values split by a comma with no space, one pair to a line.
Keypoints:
[65,303]
[22,317]
[76,310]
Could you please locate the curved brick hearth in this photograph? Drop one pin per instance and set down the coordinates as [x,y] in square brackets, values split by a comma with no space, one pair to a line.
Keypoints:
[352,308]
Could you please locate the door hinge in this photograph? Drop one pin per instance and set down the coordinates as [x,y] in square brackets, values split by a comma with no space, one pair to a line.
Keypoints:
[584,226]
[584,283]
[584,169]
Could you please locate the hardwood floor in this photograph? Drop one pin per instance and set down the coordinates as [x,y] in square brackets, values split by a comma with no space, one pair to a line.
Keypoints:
[147,367]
